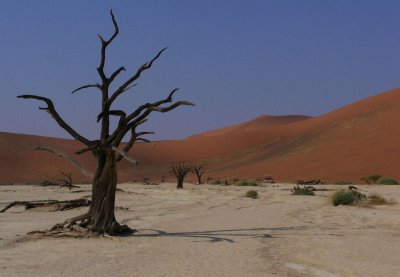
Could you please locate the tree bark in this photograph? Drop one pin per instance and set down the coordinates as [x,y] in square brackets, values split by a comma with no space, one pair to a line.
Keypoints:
[180,184]
[102,217]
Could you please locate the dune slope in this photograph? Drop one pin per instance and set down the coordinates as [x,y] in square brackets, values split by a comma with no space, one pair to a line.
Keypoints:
[357,140]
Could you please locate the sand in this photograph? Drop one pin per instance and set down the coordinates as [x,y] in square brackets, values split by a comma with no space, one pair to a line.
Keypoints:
[207,230]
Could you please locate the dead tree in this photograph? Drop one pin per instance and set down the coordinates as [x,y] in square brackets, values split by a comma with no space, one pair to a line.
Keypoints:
[101,218]
[180,171]
[198,170]
[66,182]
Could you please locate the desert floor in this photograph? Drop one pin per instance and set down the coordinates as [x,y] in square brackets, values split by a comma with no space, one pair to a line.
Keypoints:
[207,230]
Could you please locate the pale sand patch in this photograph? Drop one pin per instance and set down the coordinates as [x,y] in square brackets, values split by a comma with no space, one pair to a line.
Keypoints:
[208,231]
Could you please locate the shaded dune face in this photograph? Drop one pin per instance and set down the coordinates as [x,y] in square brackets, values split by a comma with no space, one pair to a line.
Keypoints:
[355,141]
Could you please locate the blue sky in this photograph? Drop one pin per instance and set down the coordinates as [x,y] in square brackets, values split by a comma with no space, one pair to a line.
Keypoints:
[235,59]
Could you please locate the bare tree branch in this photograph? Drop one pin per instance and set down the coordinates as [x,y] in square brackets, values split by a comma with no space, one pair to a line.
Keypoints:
[93,147]
[87,86]
[125,155]
[51,110]
[120,113]
[115,74]
[129,87]
[171,107]
[104,44]
[149,105]
[140,114]
[74,163]
[134,138]
[144,140]
[125,86]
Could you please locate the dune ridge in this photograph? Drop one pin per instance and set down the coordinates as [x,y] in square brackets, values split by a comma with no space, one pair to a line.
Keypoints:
[357,140]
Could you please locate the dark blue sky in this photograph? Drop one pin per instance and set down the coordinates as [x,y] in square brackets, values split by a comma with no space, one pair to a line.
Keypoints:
[235,59]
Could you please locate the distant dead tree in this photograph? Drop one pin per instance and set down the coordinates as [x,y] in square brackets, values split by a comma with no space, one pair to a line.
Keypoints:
[100,217]
[180,171]
[198,170]
[67,182]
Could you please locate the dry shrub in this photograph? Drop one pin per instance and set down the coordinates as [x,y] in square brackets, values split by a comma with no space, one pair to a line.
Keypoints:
[247,184]
[376,199]
[252,194]
[355,198]
[304,190]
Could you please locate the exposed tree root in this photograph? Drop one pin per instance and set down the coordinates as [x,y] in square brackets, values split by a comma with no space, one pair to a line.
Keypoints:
[58,205]
[79,227]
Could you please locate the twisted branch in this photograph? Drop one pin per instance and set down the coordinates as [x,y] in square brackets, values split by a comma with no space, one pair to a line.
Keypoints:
[125,155]
[134,138]
[104,44]
[87,86]
[51,110]
[124,87]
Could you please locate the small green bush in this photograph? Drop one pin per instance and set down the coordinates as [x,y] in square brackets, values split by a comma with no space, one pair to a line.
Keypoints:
[302,191]
[247,184]
[388,181]
[347,197]
[343,183]
[216,182]
[252,194]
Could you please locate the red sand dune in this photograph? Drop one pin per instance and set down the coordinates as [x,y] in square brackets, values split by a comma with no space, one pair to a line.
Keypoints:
[355,141]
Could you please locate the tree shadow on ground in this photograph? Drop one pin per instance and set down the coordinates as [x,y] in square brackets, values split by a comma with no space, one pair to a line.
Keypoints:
[220,235]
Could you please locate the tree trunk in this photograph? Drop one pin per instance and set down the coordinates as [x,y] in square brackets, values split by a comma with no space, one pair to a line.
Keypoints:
[199,178]
[101,213]
[180,183]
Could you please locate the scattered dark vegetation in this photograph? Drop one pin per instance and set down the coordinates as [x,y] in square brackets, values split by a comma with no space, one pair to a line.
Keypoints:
[269,180]
[252,194]
[372,179]
[355,198]
[310,182]
[376,199]
[303,190]
[388,181]
[343,183]
[377,179]
[247,184]
[216,182]
[146,181]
